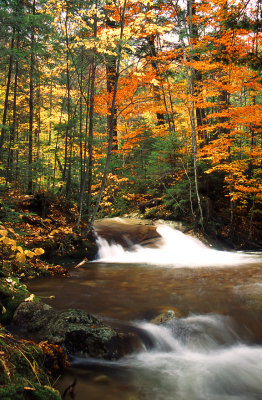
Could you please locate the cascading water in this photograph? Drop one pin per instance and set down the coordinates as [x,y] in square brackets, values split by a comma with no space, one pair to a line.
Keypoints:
[203,366]
[176,249]
[194,358]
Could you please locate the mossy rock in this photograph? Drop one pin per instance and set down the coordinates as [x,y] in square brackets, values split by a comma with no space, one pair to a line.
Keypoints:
[76,331]
[12,293]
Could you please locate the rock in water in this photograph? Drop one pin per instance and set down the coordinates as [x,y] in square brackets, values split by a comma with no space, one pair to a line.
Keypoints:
[76,331]
[165,317]
[127,233]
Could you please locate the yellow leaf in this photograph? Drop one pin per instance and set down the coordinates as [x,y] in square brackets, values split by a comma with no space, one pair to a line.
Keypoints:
[6,240]
[29,253]
[30,298]
[39,251]
[3,232]
[19,248]
[20,257]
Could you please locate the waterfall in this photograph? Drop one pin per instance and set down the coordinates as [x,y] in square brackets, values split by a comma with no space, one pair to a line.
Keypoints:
[176,250]
[198,358]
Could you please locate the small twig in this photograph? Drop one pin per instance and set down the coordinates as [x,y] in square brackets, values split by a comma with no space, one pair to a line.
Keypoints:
[70,390]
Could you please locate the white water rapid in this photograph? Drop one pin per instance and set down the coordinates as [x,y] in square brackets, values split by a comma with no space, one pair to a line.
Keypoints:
[177,250]
[198,358]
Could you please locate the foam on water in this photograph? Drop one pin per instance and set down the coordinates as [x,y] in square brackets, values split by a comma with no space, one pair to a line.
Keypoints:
[181,369]
[177,250]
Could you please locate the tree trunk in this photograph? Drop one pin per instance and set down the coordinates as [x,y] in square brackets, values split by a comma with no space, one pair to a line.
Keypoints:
[156,89]
[13,130]
[111,66]
[8,84]
[31,108]
[68,102]
[111,131]
[88,170]
[190,85]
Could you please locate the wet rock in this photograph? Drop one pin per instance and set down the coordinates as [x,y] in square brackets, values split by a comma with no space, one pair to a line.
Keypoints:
[26,311]
[76,331]
[127,233]
[165,317]
[104,379]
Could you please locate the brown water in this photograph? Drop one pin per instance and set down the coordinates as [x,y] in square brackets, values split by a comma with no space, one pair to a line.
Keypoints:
[138,293]
[213,352]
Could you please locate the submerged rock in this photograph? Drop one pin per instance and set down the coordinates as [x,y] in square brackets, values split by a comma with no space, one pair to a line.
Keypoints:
[76,331]
[165,316]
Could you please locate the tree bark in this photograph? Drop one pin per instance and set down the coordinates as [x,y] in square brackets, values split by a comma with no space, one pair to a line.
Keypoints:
[13,130]
[88,171]
[156,89]
[8,84]
[31,108]
[111,71]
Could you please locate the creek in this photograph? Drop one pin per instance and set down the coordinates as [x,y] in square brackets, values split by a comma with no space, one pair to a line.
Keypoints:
[212,352]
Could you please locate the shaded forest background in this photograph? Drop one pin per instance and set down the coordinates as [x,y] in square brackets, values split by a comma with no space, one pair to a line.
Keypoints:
[120,106]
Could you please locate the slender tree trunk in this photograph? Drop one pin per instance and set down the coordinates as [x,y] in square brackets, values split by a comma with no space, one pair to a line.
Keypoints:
[8,84]
[68,101]
[190,85]
[156,89]
[13,131]
[91,137]
[88,171]
[38,121]
[50,110]
[111,71]
[81,125]
[198,78]
[111,132]
[31,108]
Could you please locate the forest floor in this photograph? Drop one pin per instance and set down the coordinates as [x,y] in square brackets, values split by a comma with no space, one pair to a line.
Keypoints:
[34,231]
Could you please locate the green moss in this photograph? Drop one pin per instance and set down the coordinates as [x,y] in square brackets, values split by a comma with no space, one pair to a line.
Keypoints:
[11,392]
[12,293]
[46,393]
[22,371]
[37,392]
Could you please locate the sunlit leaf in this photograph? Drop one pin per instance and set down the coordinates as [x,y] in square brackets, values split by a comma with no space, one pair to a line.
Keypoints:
[20,257]
[29,253]
[39,251]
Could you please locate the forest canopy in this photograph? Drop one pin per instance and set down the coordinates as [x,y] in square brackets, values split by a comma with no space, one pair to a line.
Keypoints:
[114,104]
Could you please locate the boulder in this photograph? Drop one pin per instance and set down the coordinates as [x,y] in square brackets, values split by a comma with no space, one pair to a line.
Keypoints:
[127,234]
[76,331]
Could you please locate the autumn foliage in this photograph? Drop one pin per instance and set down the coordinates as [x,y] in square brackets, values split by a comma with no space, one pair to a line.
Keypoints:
[111,104]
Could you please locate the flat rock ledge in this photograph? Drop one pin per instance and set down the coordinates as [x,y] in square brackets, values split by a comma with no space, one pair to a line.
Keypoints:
[127,232]
[76,331]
